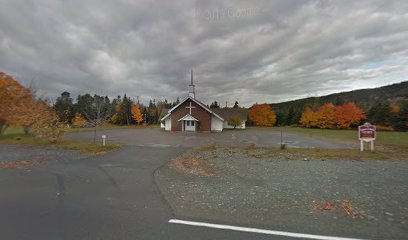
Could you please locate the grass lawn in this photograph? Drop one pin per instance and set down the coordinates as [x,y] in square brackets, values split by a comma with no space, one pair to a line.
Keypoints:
[389,145]
[108,126]
[396,139]
[15,135]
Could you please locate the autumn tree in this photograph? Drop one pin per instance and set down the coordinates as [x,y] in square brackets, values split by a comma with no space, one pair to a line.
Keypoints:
[136,113]
[330,116]
[47,122]
[234,121]
[262,115]
[347,115]
[16,103]
[308,118]
[78,120]
[325,116]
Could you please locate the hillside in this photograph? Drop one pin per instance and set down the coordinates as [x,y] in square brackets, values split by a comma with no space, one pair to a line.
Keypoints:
[289,112]
[364,98]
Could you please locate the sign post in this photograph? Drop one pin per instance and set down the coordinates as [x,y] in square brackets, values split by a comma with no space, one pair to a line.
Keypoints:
[103,140]
[367,133]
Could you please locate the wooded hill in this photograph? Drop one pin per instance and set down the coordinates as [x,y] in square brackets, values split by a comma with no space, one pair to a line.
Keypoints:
[289,112]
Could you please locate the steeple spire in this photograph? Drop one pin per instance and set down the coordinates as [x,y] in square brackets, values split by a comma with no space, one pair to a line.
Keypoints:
[191,91]
[191,76]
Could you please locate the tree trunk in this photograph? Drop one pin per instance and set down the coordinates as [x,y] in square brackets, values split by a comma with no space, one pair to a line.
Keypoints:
[95,134]
[26,130]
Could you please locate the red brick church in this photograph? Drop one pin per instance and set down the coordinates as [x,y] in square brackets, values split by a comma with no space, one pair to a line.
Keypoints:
[191,115]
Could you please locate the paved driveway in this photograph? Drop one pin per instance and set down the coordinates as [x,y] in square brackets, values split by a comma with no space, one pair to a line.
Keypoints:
[156,138]
[109,197]
[83,198]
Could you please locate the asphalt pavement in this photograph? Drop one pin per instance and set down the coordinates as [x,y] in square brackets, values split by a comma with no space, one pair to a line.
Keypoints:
[81,197]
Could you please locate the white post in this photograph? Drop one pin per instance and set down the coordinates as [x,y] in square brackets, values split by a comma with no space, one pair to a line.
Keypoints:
[372,145]
[103,140]
[361,145]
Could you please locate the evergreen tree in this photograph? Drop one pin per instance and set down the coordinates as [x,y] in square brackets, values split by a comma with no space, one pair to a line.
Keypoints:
[236,105]
[400,120]
[83,105]
[214,105]
[126,110]
[65,107]
[379,114]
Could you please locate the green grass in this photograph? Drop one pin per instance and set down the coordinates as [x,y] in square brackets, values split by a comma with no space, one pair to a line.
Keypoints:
[108,126]
[15,135]
[396,139]
[304,153]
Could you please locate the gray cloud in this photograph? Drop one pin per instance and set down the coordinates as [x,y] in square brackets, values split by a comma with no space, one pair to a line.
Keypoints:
[250,51]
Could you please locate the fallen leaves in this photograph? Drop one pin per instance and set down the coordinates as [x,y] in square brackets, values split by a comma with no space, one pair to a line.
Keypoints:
[339,207]
[20,164]
[191,166]
[97,154]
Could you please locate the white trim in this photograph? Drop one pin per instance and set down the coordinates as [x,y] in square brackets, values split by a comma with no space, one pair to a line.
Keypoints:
[258,230]
[167,115]
[188,117]
[196,101]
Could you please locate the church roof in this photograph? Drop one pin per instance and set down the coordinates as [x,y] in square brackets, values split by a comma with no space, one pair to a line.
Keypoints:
[188,117]
[227,113]
[196,101]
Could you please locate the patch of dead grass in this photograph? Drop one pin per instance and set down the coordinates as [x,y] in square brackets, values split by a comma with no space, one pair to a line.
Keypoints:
[191,166]
[20,164]
[339,208]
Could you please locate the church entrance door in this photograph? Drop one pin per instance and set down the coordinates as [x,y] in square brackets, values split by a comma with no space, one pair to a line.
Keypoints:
[189,125]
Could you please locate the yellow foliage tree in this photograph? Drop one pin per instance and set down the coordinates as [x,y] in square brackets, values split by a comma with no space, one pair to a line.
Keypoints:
[47,123]
[308,118]
[325,116]
[137,114]
[262,115]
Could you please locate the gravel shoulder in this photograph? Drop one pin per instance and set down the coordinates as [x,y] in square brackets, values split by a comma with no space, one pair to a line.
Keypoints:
[365,198]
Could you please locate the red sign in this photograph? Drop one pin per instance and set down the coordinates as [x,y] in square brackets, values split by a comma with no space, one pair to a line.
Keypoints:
[367,132]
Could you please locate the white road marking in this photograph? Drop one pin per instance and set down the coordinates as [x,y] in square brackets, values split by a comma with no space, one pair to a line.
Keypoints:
[257,230]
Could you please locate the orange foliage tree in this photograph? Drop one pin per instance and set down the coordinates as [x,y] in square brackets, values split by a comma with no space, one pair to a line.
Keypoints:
[330,116]
[308,118]
[348,114]
[325,116]
[78,120]
[137,114]
[262,115]
[16,103]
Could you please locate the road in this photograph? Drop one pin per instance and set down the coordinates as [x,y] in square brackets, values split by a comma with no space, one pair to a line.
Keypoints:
[108,197]
[76,197]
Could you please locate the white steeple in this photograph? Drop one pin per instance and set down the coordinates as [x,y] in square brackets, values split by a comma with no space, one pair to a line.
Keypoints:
[191,91]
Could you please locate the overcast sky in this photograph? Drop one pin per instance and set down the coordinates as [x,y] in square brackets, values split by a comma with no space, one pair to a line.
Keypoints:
[250,51]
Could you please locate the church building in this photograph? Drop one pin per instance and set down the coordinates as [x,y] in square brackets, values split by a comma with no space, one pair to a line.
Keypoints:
[191,115]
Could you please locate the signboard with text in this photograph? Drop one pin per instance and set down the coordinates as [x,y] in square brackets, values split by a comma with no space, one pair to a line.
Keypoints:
[367,132]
